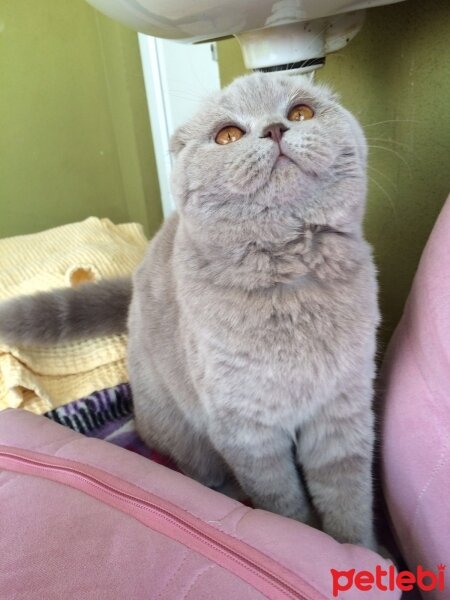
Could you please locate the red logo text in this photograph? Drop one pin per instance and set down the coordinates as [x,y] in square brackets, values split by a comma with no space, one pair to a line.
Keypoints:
[389,579]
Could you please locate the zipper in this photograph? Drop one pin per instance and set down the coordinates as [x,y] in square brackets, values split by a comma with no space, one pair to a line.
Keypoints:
[13,461]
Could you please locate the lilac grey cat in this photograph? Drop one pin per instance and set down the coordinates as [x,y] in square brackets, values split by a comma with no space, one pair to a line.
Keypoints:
[253,314]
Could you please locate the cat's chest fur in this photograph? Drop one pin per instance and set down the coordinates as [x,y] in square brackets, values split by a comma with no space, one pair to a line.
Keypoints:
[285,345]
[277,349]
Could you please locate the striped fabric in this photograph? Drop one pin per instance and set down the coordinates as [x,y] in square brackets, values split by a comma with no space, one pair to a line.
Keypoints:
[94,412]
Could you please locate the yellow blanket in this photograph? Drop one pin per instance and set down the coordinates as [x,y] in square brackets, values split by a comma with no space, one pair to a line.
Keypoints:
[41,378]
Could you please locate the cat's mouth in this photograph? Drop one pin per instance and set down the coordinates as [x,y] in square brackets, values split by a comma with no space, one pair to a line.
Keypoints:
[282,160]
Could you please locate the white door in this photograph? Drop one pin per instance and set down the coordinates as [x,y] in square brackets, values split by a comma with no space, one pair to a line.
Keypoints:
[177,76]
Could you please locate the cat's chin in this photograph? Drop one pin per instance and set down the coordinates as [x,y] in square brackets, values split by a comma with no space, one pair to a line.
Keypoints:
[282,160]
[285,174]
[283,163]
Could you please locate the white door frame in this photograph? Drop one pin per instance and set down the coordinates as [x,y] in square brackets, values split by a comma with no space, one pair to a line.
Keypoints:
[177,76]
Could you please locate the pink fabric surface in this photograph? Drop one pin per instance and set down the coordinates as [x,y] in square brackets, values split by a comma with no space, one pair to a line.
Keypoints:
[60,540]
[416,422]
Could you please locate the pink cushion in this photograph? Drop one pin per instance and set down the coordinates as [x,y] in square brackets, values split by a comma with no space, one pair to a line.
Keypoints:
[416,423]
[81,518]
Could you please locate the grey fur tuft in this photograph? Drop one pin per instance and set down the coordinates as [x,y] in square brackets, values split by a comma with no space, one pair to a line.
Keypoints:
[90,310]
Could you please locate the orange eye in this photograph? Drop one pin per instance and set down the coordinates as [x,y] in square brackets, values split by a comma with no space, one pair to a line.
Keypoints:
[229,134]
[301,112]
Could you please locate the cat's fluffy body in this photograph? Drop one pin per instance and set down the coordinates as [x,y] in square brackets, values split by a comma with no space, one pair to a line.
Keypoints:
[254,312]
[253,317]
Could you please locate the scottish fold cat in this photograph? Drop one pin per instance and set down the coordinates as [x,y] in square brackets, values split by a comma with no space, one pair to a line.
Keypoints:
[252,317]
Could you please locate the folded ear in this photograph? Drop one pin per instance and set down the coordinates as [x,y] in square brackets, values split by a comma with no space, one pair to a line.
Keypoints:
[179,139]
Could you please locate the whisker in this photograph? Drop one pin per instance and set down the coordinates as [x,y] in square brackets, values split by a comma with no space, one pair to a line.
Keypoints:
[177,87]
[393,152]
[179,96]
[389,140]
[394,185]
[373,146]
[388,197]
[316,36]
[391,121]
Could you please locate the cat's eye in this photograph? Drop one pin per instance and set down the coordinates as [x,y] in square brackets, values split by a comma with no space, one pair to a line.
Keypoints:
[300,112]
[229,134]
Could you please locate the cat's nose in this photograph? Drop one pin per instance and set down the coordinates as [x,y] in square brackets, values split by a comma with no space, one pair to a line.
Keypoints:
[275,131]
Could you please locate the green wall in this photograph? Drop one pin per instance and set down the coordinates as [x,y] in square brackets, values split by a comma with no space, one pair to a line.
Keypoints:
[395,77]
[75,137]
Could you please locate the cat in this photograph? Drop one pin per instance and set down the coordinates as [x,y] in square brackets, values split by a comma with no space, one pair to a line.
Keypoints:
[253,316]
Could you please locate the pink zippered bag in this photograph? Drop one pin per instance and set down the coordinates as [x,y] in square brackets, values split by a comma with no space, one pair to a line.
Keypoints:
[81,518]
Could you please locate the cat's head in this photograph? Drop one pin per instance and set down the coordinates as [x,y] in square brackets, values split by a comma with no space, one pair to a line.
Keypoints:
[270,151]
